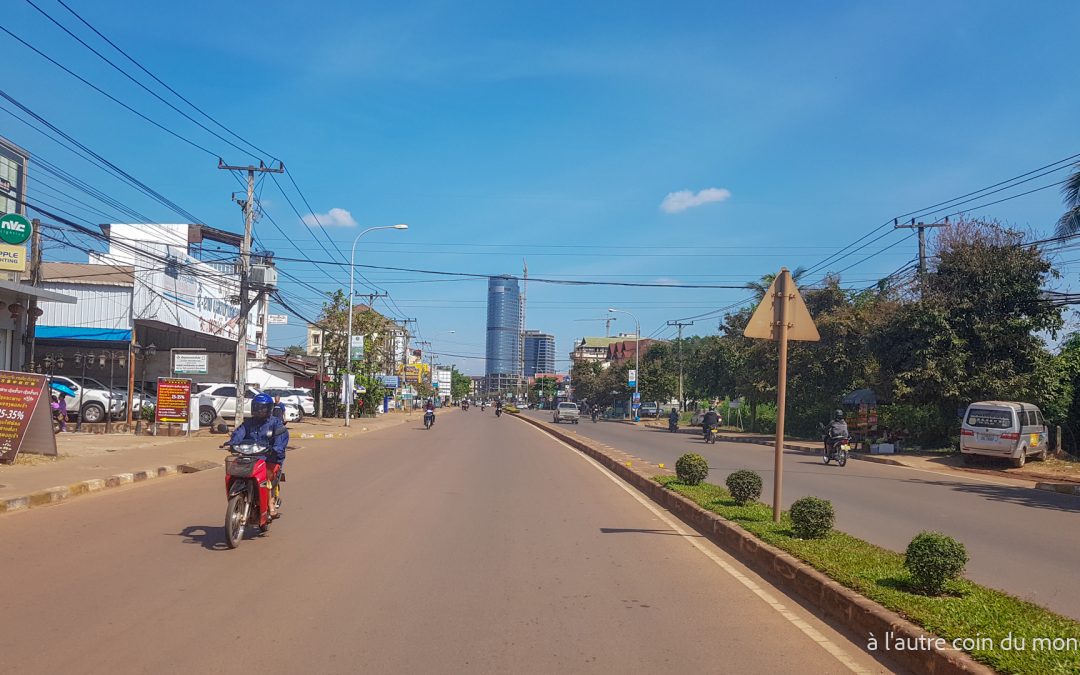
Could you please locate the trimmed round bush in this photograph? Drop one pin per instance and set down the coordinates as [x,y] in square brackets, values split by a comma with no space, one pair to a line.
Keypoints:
[812,517]
[933,560]
[691,468]
[744,486]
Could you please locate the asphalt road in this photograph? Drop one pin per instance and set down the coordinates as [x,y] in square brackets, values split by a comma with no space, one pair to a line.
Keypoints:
[1020,540]
[479,546]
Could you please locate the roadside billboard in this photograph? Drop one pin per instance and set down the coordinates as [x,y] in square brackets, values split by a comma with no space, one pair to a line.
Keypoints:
[25,416]
[173,400]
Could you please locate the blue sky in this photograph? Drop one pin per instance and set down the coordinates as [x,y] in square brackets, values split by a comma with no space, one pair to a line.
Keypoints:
[554,132]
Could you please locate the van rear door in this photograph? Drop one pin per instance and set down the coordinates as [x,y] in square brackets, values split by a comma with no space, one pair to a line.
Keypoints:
[993,429]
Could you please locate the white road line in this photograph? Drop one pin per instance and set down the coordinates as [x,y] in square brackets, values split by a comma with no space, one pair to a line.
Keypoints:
[811,632]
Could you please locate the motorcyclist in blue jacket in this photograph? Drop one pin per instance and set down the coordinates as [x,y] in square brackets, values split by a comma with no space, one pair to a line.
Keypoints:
[264,430]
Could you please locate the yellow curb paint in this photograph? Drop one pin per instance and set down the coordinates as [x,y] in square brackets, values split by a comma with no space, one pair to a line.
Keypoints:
[660,465]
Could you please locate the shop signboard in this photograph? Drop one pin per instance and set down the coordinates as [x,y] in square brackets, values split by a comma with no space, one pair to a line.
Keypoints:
[25,416]
[191,363]
[173,400]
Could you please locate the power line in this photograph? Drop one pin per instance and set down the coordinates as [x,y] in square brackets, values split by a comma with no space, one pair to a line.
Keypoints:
[137,82]
[159,81]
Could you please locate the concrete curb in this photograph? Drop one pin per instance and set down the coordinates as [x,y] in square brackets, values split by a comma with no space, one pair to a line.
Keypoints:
[63,493]
[1060,488]
[856,613]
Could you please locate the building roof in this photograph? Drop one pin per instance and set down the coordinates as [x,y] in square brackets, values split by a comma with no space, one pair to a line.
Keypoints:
[88,273]
[599,342]
[40,293]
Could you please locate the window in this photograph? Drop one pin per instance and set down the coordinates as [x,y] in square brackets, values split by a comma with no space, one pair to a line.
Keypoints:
[224,391]
[315,338]
[1031,421]
[1039,418]
[990,418]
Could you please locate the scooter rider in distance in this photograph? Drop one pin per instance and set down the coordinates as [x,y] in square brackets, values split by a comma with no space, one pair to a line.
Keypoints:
[711,420]
[835,432]
[673,420]
[263,429]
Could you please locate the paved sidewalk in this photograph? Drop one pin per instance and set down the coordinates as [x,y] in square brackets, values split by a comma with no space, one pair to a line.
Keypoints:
[92,462]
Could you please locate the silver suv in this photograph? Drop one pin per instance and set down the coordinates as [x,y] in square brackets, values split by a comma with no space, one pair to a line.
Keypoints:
[92,398]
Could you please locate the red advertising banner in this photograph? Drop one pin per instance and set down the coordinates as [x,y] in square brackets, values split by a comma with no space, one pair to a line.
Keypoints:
[173,400]
[25,416]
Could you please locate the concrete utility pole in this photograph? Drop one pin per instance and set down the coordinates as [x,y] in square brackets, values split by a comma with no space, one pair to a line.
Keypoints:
[245,270]
[921,227]
[679,325]
[35,280]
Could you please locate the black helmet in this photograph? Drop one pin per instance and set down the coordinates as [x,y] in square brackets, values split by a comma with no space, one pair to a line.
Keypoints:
[838,415]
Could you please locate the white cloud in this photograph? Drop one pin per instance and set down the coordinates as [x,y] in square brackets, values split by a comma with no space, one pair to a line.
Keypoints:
[335,217]
[677,202]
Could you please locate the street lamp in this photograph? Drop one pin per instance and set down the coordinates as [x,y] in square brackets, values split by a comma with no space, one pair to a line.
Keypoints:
[348,343]
[146,352]
[637,355]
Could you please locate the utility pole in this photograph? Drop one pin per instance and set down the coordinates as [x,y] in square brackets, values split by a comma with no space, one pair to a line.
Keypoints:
[35,280]
[245,270]
[679,325]
[921,227]
[322,361]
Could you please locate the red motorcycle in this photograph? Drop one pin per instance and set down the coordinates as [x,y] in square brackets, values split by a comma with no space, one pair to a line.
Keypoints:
[249,490]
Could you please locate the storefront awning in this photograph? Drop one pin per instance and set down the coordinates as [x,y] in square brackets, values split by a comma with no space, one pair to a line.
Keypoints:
[82,333]
[32,292]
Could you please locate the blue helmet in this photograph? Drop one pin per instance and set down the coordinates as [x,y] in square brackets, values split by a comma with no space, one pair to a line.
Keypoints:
[261,405]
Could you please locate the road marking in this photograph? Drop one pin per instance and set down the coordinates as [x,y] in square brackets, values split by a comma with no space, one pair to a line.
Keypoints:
[808,630]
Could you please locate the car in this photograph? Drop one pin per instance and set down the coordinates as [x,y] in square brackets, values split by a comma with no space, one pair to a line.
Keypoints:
[291,412]
[218,399]
[300,398]
[307,400]
[92,399]
[567,412]
[1005,429]
[649,409]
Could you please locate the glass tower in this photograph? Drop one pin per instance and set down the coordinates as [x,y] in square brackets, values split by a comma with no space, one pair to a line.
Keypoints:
[503,334]
[539,353]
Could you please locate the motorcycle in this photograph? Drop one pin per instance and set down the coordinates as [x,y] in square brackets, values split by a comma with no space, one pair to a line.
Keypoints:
[836,449]
[429,418]
[672,425]
[595,415]
[710,434]
[498,412]
[249,492]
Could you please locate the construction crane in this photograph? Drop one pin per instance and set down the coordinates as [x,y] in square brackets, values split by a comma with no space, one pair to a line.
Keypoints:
[607,323]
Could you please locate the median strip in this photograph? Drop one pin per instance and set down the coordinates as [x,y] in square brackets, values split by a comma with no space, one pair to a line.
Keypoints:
[865,587]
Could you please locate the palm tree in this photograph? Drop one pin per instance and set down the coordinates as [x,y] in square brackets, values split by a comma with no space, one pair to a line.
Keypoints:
[761,287]
[1069,223]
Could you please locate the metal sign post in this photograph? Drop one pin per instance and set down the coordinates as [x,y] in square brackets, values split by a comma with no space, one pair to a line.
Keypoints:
[781,316]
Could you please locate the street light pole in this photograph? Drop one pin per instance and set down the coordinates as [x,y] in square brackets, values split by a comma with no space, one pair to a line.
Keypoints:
[348,344]
[637,355]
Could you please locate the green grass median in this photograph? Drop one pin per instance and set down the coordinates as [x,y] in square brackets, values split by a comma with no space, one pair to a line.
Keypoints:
[1004,632]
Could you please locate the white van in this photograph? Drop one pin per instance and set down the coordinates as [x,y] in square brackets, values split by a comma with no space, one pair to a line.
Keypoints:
[1005,429]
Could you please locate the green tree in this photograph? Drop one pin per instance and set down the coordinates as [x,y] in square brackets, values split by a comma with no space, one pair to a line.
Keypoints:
[460,385]
[295,350]
[1069,223]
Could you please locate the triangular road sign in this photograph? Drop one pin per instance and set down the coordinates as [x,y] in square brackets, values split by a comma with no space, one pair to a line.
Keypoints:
[765,321]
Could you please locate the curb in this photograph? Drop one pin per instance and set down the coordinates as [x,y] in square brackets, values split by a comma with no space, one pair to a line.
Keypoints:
[1060,488]
[63,493]
[858,614]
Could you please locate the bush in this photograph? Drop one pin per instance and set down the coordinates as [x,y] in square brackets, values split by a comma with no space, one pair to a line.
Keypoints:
[934,559]
[691,468]
[812,517]
[744,486]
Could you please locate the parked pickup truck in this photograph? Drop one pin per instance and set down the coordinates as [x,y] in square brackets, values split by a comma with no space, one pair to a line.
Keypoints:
[567,412]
